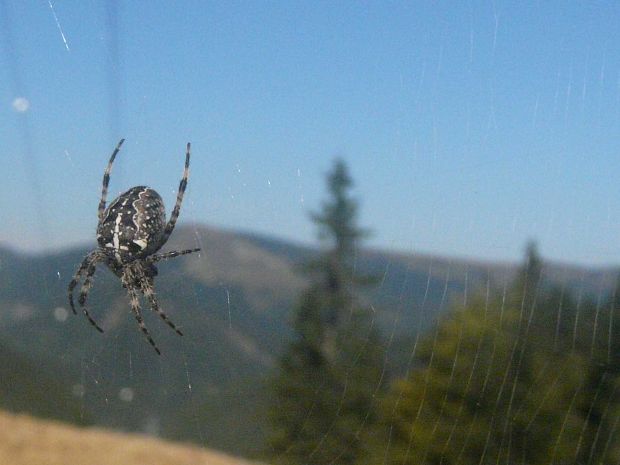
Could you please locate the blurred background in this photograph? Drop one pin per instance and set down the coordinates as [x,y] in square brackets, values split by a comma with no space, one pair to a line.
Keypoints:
[407,213]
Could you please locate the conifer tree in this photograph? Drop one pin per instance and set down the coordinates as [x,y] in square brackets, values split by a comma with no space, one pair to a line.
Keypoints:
[324,388]
[490,387]
[528,284]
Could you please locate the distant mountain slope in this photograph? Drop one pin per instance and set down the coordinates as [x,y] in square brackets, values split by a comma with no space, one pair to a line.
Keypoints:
[234,303]
[27,441]
[28,387]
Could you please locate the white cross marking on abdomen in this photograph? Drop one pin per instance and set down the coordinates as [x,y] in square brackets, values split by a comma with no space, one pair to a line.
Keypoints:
[115,240]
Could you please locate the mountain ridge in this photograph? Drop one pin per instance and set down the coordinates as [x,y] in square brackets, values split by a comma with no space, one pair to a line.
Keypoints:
[234,302]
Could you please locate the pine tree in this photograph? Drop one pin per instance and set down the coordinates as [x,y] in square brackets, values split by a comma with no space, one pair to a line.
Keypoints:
[490,387]
[328,375]
[528,284]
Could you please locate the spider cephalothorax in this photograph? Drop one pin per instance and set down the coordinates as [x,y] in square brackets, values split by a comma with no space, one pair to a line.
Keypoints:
[130,231]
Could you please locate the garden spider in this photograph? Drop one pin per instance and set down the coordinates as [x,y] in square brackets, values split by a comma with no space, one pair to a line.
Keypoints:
[129,232]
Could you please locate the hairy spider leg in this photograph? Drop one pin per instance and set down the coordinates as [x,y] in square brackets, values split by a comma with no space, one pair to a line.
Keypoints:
[91,258]
[135,308]
[177,207]
[169,255]
[106,180]
[86,286]
[147,289]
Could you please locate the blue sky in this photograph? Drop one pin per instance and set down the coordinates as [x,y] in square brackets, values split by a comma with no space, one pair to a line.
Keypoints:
[468,128]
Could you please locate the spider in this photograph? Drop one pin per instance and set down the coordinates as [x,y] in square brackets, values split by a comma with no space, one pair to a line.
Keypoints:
[129,233]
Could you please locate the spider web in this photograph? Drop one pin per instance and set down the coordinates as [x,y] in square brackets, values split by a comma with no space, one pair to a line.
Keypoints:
[483,359]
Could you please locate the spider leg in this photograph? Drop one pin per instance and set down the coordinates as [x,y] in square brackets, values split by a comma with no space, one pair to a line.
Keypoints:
[135,308]
[88,261]
[106,180]
[169,255]
[149,293]
[86,285]
[177,207]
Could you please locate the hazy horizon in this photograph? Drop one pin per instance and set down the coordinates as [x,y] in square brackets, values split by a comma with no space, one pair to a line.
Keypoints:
[468,129]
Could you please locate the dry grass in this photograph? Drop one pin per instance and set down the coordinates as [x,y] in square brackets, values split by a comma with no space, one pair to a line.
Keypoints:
[28,441]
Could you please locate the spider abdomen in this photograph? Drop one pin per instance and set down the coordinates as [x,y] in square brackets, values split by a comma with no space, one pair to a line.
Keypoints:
[133,224]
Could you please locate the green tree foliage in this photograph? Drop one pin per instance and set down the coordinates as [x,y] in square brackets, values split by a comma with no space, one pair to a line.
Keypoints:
[528,284]
[326,380]
[599,338]
[508,379]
